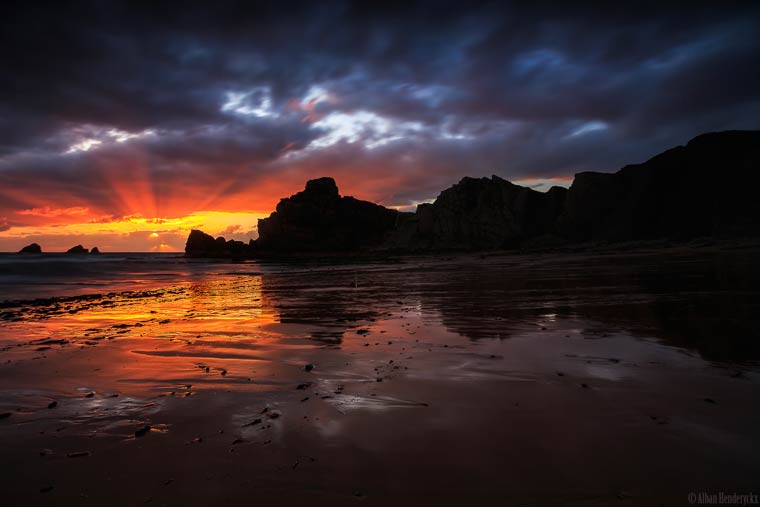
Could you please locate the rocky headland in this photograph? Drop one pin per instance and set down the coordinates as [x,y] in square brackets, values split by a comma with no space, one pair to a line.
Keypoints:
[704,189]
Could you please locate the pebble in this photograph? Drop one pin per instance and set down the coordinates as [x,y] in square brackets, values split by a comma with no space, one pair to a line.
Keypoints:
[78,454]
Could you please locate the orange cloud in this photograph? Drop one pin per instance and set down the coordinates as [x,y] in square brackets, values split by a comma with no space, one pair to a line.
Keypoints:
[48,212]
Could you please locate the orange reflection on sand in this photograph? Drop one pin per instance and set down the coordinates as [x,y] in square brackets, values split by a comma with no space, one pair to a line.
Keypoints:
[207,334]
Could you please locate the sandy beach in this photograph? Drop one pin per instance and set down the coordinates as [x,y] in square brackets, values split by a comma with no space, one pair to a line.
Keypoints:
[576,379]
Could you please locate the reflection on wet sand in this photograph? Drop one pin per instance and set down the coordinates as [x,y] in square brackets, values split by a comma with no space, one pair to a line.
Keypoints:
[492,380]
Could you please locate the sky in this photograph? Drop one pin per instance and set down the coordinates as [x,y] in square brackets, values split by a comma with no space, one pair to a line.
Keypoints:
[124,127]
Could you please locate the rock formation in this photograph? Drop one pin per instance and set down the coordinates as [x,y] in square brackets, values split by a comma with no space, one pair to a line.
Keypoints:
[706,188]
[94,250]
[33,248]
[79,249]
[200,244]
[481,213]
[319,219]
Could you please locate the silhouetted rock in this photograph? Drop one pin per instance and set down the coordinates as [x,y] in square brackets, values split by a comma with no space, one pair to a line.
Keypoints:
[33,248]
[480,213]
[706,188]
[94,250]
[200,244]
[79,249]
[319,219]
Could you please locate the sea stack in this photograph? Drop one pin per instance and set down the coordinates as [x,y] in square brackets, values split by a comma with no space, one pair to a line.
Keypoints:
[79,249]
[94,250]
[33,248]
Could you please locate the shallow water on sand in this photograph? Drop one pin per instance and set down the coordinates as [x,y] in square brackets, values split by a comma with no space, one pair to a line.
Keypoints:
[491,380]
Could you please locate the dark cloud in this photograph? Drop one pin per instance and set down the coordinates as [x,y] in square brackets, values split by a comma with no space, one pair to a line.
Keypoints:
[193,105]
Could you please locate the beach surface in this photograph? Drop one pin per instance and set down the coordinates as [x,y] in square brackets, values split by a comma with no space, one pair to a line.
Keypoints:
[576,379]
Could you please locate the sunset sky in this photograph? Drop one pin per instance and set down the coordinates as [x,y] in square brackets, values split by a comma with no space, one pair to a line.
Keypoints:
[123,128]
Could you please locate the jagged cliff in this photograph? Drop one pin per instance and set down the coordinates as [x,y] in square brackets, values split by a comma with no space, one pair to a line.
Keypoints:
[480,213]
[706,188]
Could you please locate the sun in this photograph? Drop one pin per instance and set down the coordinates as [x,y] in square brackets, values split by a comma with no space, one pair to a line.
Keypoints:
[153,234]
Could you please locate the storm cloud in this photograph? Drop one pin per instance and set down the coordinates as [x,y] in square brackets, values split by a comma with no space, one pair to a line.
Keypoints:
[181,107]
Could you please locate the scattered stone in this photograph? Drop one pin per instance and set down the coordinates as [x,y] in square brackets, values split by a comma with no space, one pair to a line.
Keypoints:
[52,404]
[46,489]
[78,454]
[303,386]
[308,367]
[710,400]
[89,395]
[585,386]
[5,415]
[142,431]
[253,423]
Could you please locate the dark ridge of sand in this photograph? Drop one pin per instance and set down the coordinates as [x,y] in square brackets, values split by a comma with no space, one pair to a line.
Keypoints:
[626,379]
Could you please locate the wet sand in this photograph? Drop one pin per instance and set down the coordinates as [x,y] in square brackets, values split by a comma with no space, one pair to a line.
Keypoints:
[625,379]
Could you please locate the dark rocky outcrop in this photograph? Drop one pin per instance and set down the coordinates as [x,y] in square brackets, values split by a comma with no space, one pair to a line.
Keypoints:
[481,213]
[79,249]
[319,219]
[200,244]
[707,188]
[94,250]
[33,248]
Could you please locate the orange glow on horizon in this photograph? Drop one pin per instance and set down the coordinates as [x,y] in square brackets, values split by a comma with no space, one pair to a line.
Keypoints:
[133,233]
